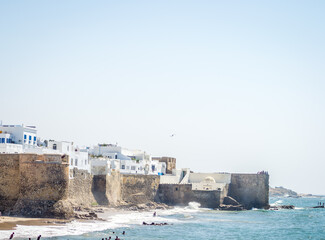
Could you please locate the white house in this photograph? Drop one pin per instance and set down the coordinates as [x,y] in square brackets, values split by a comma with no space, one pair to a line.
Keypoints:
[131,161]
[78,157]
[103,165]
[16,138]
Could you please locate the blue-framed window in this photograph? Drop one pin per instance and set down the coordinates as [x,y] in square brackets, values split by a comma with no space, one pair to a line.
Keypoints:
[30,139]
[25,137]
[34,139]
[7,140]
[3,140]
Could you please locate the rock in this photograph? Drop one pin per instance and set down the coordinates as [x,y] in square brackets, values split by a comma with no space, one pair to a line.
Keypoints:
[287,207]
[92,214]
[230,201]
[231,207]
[282,207]
[63,209]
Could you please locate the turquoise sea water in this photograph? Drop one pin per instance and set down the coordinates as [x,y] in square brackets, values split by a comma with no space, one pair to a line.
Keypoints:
[197,223]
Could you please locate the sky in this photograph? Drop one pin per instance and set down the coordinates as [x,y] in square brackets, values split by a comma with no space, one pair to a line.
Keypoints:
[239,83]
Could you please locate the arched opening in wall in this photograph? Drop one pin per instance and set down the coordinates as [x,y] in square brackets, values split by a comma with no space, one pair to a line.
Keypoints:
[54,146]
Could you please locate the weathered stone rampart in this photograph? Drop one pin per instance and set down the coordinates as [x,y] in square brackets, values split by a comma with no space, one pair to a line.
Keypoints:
[39,185]
[182,194]
[137,189]
[250,190]
[80,188]
[31,184]
[9,181]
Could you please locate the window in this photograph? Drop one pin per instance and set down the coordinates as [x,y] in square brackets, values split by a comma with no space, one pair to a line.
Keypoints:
[54,146]
[71,161]
[30,139]
[7,140]
[3,140]
[132,167]
[25,137]
[123,166]
[153,168]
[127,167]
[76,162]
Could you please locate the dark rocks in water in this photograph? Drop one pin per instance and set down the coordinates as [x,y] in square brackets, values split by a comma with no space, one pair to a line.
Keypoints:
[282,207]
[318,207]
[231,207]
[230,201]
[287,207]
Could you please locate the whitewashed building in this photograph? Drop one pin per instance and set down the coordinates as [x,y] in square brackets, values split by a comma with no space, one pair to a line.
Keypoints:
[17,138]
[199,181]
[131,161]
[78,157]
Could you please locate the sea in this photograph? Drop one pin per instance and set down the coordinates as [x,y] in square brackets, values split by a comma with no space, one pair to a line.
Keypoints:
[193,222]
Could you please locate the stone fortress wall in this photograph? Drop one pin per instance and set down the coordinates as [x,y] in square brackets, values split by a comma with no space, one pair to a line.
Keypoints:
[251,190]
[182,195]
[39,185]
[31,184]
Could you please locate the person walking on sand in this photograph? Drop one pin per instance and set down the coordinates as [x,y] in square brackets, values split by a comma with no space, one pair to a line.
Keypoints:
[154,214]
[39,237]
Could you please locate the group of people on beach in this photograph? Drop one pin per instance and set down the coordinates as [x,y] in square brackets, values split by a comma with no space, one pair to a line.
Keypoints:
[320,204]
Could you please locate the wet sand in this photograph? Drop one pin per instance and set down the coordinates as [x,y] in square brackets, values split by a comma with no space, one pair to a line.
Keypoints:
[9,223]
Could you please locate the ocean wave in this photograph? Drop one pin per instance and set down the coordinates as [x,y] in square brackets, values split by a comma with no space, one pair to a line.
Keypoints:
[121,219]
[276,203]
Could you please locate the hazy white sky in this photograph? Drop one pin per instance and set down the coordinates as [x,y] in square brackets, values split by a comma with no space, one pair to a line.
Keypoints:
[240,83]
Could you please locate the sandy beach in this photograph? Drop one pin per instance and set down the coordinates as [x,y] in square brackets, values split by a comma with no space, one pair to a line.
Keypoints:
[9,223]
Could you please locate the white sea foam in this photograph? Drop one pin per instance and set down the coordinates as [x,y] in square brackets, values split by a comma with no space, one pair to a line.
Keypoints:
[276,203]
[118,220]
